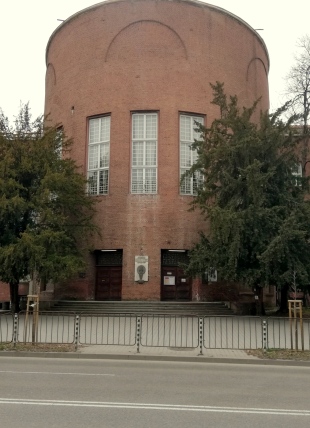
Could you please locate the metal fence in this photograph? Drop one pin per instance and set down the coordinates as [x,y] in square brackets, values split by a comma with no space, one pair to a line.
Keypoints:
[107,329]
[172,331]
[288,333]
[6,327]
[57,328]
[233,332]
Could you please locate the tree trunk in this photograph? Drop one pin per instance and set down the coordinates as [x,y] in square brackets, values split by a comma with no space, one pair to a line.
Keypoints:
[283,304]
[14,297]
[260,306]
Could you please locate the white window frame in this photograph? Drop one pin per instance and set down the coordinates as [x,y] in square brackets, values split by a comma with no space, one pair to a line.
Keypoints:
[60,139]
[297,173]
[144,142]
[188,156]
[98,155]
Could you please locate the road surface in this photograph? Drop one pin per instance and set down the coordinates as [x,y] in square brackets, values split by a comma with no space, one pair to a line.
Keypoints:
[47,392]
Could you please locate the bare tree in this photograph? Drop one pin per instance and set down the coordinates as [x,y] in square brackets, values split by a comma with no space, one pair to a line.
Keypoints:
[298,90]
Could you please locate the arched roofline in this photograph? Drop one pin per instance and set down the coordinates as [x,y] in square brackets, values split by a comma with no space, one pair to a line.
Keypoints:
[196,3]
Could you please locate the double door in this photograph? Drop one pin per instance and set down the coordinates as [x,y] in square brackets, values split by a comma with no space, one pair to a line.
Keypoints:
[109,283]
[175,285]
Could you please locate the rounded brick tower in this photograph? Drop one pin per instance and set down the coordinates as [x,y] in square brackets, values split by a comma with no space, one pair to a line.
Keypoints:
[127,79]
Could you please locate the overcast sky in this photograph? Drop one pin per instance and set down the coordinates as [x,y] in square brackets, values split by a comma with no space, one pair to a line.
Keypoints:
[26,26]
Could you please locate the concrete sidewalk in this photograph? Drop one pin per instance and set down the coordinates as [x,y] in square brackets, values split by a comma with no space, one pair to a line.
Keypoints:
[225,356]
[178,355]
[164,352]
[220,356]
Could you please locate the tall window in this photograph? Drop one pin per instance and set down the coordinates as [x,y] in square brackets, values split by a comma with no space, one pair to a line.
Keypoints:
[297,171]
[98,155]
[144,153]
[187,155]
[59,140]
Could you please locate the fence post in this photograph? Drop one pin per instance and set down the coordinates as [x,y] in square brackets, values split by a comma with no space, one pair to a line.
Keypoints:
[265,335]
[200,335]
[15,329]
[138,333]
[76,331]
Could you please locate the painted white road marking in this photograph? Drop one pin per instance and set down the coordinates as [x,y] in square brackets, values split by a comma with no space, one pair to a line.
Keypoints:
[146,406]
[55,373]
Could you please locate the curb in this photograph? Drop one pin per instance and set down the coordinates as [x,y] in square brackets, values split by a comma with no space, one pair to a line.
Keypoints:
[198,359]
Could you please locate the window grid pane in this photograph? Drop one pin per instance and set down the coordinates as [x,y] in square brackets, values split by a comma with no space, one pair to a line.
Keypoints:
[93,157]
[103,182]
[99,130]
[93,131]
[196,134]
[137,126]
[185,128]
[187,156]
[104,155]
[144,153]
[150,180]
[137,153]
[186,184]
[99,155]
[197,181]
[151,126]
[92,183]
[105,129]
[150,153]
[137,181]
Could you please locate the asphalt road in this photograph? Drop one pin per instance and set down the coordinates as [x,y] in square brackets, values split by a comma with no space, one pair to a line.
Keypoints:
[46,392]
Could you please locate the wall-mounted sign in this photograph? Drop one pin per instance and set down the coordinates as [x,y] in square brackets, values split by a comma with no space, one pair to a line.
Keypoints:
[141,269]
[211,274]
[169,280]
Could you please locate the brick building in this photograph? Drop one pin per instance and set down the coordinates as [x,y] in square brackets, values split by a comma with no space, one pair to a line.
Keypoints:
[127,79]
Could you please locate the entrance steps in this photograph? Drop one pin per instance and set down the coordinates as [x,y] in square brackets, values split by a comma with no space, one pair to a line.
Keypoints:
[143,307]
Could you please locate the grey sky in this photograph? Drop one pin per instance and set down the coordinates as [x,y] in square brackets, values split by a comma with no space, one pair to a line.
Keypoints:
[27,25]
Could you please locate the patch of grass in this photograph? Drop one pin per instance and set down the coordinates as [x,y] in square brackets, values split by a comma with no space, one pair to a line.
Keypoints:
[280,354]
[306,312]
[39,347]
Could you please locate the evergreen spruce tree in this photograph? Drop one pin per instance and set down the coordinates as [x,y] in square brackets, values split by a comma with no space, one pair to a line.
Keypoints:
[45,213]
[257,213]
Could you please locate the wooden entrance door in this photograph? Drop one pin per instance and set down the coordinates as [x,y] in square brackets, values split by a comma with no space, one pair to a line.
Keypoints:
[109,283]
[175,285]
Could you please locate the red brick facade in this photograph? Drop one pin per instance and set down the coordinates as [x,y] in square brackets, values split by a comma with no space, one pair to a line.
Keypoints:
[120,57]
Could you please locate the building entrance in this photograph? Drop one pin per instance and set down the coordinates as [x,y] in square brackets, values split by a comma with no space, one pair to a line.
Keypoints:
[109,275]
[175,285]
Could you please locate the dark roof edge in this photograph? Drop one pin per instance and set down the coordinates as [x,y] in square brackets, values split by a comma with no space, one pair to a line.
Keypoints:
[197,3]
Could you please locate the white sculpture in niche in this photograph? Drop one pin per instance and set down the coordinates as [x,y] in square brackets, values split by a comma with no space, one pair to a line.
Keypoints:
[141,269]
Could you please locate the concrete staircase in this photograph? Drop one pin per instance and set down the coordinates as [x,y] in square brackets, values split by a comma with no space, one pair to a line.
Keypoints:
[142,307]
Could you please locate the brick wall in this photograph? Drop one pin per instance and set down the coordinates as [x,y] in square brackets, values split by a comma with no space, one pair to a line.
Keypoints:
[4,292]
[124,56]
